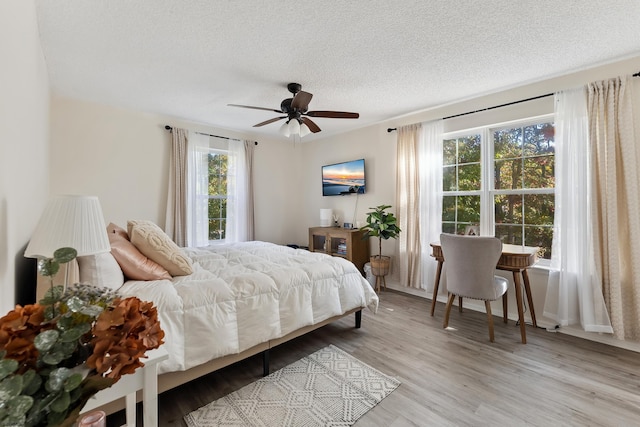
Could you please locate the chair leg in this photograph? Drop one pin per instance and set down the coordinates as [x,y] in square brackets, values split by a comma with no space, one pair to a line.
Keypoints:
[448,310]
[487,304]
[460,304]
[505,311]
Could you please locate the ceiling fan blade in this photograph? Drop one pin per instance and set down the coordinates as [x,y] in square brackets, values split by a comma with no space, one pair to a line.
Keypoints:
[266,122]
[311,125]
[254,108]
[333,114]
[301,100]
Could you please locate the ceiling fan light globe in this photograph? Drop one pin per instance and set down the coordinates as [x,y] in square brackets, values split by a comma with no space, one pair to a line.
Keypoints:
[294,127]
[284,129]
[304,130]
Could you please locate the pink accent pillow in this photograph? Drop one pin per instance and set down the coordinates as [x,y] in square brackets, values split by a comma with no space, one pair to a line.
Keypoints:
[133,263]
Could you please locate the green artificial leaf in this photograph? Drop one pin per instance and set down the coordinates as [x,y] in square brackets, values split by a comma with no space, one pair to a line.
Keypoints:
[74,333]
[92,310]
[19,406]
[65,348]
[73,382]
[64,255]
[7,367]
[56,418]
[75,394]
[49,311]
[61,404]
[13,421]
[53,295]
[33,385]
[75,304]
[56,380]
[10,387]
[48,267]
[27,377]
[65,322]
[45,340]
[53,358]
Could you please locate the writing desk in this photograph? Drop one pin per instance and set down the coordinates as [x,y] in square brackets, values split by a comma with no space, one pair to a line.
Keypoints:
[514,258]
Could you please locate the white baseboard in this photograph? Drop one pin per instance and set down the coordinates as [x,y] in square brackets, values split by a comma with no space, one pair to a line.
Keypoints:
[542,321]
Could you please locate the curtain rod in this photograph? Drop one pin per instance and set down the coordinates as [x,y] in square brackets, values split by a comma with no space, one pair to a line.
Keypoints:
[498,106]
[169,128]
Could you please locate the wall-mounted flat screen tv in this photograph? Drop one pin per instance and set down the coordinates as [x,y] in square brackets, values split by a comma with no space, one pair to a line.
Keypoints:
[343,178]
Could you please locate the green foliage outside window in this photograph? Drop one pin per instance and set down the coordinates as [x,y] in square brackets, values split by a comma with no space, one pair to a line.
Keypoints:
[218,174]
[523,182]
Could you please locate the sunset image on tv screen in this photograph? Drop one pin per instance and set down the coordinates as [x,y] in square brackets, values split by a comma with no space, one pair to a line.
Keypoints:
[343,178]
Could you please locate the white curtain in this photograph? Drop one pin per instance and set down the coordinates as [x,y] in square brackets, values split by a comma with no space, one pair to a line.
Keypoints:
[240,219]
[430,155]
[616,208]
[574,290]
[198,190]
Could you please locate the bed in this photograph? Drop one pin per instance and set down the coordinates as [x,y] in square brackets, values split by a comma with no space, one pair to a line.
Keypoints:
[238,300]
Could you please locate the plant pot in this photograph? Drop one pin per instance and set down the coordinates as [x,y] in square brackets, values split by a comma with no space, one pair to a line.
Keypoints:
[380,265]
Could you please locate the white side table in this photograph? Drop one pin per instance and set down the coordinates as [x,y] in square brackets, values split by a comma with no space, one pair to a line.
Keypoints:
[145,379]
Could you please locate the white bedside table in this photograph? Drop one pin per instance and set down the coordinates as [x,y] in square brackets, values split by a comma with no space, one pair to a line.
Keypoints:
[145,379]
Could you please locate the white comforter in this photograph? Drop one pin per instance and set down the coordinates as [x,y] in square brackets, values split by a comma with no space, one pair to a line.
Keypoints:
[243,294]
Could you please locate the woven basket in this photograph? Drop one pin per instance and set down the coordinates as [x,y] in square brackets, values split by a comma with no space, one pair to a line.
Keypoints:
[380,265]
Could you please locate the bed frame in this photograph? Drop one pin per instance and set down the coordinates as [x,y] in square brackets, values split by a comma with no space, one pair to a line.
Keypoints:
[169,380]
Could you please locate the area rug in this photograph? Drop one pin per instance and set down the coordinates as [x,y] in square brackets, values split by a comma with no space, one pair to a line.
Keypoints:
[327,388]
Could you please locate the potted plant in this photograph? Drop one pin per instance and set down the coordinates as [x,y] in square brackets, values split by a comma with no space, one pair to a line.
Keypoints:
[383,225]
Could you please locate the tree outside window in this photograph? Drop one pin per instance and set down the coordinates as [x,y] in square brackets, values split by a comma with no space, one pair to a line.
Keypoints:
[521,160]
[218,174]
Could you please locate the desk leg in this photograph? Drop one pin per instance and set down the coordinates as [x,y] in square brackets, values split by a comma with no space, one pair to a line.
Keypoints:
[527,289]
[150,396]
[505,308]
[435,288]
[516,284]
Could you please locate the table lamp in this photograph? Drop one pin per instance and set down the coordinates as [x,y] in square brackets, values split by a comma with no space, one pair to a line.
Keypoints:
[69,221]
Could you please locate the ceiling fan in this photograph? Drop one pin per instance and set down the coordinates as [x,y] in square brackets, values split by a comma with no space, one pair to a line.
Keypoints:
[297,114]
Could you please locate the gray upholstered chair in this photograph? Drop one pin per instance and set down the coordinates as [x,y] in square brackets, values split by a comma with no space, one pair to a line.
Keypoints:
[470,264]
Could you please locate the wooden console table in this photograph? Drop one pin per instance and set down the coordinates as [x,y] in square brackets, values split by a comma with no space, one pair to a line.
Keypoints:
[341,242]
[514,258]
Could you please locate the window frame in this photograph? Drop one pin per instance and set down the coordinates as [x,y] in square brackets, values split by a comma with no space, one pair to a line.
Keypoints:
[216,151]
[487,191]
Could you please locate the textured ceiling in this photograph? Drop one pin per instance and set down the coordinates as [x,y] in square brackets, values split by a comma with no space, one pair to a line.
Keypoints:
[380,58]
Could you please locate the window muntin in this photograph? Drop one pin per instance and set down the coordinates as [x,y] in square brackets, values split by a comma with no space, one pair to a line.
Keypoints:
[519,161]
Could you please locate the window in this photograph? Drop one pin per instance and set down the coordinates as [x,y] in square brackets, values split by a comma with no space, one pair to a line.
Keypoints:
[461,183]
[217,206]
[501,178]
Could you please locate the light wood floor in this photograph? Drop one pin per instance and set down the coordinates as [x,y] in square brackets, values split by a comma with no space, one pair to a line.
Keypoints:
[453,377]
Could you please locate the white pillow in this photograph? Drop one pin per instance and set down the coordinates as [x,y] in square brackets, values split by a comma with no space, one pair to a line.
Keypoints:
[100,270]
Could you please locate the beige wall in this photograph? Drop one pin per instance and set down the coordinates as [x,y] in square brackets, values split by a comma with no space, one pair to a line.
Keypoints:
[378,148]
[122,157]
[24,150]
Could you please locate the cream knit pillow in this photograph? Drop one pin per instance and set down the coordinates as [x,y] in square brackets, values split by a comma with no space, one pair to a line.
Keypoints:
[157,246]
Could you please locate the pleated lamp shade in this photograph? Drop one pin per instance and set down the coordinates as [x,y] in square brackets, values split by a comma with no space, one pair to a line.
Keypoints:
[70,221]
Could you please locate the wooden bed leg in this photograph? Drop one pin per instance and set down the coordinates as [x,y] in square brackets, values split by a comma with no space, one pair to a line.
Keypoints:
[265,363]
[358,319]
